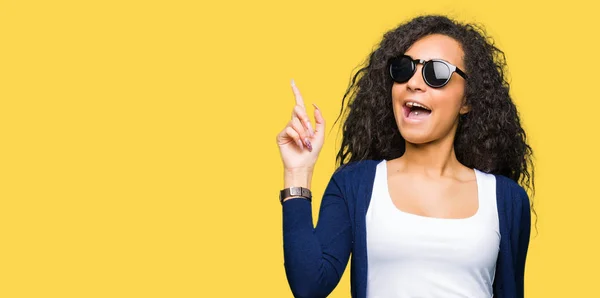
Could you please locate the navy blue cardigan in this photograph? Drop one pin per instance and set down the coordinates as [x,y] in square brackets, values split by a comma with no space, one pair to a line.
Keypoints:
[315,258]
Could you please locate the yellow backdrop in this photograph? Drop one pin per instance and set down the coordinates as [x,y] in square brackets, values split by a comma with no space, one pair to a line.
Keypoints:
[137,138]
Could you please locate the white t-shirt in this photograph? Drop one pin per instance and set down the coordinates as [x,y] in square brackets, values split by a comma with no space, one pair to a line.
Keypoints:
[416,256]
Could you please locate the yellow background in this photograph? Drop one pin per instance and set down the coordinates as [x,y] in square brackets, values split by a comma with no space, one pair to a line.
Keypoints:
[137,138]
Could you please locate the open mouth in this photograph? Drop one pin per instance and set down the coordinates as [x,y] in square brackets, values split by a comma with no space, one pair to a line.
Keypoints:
[414,110]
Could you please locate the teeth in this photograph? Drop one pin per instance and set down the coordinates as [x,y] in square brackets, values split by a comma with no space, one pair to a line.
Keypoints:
[411,104]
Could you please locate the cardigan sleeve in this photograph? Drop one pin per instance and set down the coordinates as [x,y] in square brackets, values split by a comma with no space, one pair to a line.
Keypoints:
[315,258]
[525,230]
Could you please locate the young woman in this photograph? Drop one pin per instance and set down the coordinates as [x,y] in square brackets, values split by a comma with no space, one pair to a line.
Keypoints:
[430,194]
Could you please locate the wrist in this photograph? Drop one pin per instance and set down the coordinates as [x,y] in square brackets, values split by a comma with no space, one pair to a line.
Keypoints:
[298,177]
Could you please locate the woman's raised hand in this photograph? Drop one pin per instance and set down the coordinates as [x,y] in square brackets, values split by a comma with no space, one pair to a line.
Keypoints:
[300,144]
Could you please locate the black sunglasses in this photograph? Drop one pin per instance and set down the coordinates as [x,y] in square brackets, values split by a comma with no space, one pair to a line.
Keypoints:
[436,72]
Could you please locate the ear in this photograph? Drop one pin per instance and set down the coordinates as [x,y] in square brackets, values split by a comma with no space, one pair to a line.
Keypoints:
[465,108]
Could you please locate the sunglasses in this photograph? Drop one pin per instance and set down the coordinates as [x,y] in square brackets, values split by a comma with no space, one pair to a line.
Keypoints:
[436,72]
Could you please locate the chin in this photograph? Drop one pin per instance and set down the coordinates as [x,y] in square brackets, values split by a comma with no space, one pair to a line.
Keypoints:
[417,138]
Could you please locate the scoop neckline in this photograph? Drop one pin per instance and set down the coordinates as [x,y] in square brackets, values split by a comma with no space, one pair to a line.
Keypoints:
[478,182]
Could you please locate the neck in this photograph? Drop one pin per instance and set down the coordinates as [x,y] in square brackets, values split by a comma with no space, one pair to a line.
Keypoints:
[433,159]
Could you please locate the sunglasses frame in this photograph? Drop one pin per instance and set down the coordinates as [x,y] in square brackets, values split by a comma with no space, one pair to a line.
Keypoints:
[416,62]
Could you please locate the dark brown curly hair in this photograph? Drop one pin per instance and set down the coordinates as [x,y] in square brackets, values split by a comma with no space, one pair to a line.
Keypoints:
[489,138]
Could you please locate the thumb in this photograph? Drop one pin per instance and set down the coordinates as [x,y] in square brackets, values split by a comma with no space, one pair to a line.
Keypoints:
[319,120]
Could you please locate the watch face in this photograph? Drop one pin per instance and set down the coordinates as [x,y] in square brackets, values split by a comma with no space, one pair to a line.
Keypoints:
[296,191]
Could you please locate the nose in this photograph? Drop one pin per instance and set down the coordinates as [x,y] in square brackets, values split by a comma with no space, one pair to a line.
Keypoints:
[416,82]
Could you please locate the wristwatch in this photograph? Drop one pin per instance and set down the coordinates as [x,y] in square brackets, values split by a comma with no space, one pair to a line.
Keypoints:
[295,192]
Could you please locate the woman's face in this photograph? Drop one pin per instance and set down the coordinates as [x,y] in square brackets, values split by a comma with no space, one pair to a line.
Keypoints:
[445,103]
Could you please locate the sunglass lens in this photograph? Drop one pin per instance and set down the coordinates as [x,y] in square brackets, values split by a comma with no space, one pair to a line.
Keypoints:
[402,69]
[436,73]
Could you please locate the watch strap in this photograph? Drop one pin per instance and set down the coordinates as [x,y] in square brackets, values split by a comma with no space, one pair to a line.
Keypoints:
[295,192]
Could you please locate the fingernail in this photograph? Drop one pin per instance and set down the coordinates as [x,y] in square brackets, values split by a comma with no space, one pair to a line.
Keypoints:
[308,144]
[310,130]
[293,83]
[316,106]
[299,143]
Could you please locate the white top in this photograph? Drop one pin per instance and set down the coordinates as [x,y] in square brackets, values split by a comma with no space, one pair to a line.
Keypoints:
[417,256]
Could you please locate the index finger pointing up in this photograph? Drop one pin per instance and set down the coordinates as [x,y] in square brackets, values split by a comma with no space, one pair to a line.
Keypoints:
[299,99]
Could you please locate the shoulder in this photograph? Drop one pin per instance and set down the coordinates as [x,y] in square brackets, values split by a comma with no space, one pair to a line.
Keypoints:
[354,168]
[354,180]
[510,192]
[356,171]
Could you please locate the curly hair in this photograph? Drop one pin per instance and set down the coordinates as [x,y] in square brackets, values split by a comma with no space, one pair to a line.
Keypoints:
[489,138]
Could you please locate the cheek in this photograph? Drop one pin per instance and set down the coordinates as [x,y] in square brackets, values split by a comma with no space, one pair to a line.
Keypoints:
[396,96]
[397,91]
[448,102]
